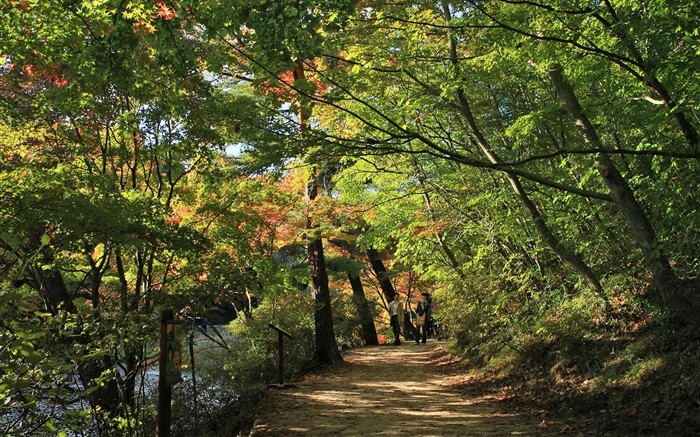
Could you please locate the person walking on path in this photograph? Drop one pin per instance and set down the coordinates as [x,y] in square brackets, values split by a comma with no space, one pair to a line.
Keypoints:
[396,313]
[422,317]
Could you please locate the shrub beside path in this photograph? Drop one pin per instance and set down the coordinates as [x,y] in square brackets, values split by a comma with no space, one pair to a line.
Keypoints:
[407,390]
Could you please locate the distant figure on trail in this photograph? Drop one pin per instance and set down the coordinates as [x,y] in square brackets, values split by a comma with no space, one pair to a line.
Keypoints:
[433,324]
[423,317]
[396,312]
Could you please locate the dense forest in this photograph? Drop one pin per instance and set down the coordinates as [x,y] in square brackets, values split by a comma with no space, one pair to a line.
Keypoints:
[534,165]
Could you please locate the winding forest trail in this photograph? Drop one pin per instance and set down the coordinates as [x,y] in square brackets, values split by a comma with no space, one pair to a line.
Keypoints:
[407,390]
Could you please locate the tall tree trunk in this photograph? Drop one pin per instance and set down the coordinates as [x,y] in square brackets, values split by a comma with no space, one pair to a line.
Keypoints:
[388,289]
[564,253]
[359,299]
[382,275]
[663,274]
[130,360]
[369,331]
[326,345]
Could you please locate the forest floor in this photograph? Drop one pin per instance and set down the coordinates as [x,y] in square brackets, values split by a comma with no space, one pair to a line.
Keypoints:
[415,390]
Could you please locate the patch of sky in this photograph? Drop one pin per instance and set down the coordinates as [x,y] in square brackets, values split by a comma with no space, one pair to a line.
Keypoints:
[236,150]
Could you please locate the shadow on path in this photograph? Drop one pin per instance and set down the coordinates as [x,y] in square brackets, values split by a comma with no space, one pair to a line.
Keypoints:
[386,391]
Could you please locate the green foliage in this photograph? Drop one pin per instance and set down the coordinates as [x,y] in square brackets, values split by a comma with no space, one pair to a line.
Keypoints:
[116,199]
[275,35]
[230,381]
[292,312]
[38,364]
[222,399]
[346,321]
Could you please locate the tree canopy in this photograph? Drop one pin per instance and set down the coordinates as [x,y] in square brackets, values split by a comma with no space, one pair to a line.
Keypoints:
[534,165]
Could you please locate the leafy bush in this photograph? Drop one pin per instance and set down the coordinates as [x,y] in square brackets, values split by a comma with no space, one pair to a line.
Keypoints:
[229,382]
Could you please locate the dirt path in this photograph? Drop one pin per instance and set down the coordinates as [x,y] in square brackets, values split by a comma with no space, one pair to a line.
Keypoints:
[388,391]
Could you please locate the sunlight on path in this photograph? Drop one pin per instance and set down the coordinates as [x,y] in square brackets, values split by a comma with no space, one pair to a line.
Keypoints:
[385,391]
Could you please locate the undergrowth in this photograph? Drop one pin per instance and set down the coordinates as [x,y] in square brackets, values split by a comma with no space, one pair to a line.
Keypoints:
[630,371]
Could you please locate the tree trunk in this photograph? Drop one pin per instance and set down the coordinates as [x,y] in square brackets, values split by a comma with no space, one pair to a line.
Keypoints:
[326,345]
[369,331]
[130,357]
[362,306]
[382,276]
[388,289]
[663,274]
[564,254]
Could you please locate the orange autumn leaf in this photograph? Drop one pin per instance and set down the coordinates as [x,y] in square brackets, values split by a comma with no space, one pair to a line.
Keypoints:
[164,11]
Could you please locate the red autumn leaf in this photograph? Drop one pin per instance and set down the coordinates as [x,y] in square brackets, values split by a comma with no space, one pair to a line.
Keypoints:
[164,11]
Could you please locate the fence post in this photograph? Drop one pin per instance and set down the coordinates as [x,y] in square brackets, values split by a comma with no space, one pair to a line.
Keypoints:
[169,361]
[280,352]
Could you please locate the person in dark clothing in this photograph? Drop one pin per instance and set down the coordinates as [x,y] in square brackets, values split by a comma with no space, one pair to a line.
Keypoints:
[422,317]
